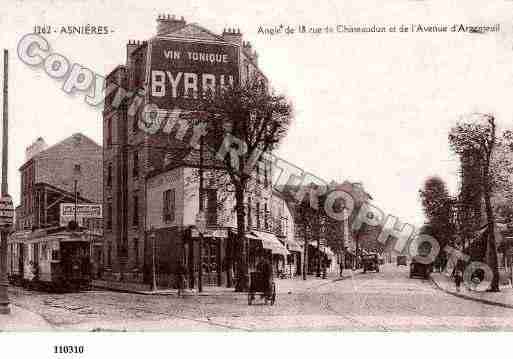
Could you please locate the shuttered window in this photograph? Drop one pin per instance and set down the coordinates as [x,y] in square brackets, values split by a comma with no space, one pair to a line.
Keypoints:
[169,205]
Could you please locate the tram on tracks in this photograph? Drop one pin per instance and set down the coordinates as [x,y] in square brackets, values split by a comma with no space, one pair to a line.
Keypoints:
[58,261]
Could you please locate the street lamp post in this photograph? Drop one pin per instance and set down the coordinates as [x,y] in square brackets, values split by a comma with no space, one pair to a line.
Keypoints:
[7,210]
[201,227]
[76,200]
[200,220]
[76,176]
[153,238]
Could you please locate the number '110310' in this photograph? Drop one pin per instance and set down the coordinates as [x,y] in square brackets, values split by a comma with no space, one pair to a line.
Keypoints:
[68,349]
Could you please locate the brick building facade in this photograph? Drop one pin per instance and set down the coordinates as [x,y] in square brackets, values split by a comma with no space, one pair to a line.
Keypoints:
[47,179]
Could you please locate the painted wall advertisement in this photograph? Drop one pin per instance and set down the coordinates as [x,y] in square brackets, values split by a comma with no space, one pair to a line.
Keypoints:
[181,72]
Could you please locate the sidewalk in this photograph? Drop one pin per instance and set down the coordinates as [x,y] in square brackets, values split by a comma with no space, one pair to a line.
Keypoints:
[23,320]
[503,299]
[296,284]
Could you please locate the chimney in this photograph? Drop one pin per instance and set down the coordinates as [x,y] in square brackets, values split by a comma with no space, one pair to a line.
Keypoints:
[255,57]
[233,36]
[37,146]
[167,24]
[252,54]
[130,48]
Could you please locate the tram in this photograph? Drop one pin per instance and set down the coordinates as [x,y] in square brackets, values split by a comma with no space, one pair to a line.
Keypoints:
[58,261]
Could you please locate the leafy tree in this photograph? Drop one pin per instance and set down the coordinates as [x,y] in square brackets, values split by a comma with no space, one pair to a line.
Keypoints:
[242,124]
[438,209]
[308,223]
[476,139]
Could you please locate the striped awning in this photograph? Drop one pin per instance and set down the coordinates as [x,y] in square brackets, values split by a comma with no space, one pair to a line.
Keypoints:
[269,241]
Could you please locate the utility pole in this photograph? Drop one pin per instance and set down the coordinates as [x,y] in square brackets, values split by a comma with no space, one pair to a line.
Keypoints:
[305,254]
[202,212]
[76,200]
[4,297]
[345,239]
[319,255]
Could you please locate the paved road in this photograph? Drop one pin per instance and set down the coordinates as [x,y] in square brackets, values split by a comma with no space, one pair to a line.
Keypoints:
[383,301]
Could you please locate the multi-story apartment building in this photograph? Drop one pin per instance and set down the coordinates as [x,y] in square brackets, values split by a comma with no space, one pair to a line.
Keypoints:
[149,176]
[284,228]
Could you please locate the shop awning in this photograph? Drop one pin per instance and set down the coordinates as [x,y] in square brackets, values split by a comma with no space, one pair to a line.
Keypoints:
[269,241]
[210,232]
[251,235]
[293,245]
[328,252]
[324,249]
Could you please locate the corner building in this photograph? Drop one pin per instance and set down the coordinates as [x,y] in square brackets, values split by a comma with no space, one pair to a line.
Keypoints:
[147,176]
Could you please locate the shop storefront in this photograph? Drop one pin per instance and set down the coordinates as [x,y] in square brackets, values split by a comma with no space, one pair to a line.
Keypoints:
[268,244]
[294,259]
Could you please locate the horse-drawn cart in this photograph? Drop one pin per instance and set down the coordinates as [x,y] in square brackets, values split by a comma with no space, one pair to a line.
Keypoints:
[259,284]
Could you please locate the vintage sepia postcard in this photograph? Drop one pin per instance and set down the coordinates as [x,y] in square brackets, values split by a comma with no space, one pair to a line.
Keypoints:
[313,166]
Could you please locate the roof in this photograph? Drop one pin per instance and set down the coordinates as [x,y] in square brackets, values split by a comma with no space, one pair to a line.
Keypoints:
[64,192]
[193,31]
[65,141]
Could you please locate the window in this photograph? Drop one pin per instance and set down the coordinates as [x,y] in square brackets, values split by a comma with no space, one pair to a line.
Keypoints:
[258,215]
[135,124]
[135,221]
[168,209]
[109,216]
[136,251]
[123,248]
[266,174]
[266,219]
[76,168]
[109,132]
[211,195]
[35,253]
[109,255]
[44,252]
[249,218]
[109,175]
[135,171]
[55,255]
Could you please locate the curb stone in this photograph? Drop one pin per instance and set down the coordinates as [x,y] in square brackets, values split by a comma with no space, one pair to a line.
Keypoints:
[205,294]
[468,297]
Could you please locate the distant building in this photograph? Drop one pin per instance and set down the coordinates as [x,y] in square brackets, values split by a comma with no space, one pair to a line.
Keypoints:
[48,179]
[67,172]
[285,230]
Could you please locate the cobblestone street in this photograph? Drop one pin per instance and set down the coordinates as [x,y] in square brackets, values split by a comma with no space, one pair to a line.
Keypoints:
[383,301]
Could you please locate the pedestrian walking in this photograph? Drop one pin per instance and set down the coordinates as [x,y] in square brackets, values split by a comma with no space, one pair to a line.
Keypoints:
[180,278]
[458,278]
[266,269]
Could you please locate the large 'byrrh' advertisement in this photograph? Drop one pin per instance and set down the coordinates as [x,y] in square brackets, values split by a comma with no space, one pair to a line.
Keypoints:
[182,72]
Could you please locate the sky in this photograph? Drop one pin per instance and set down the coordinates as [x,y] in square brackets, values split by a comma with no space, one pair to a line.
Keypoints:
[374,108]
